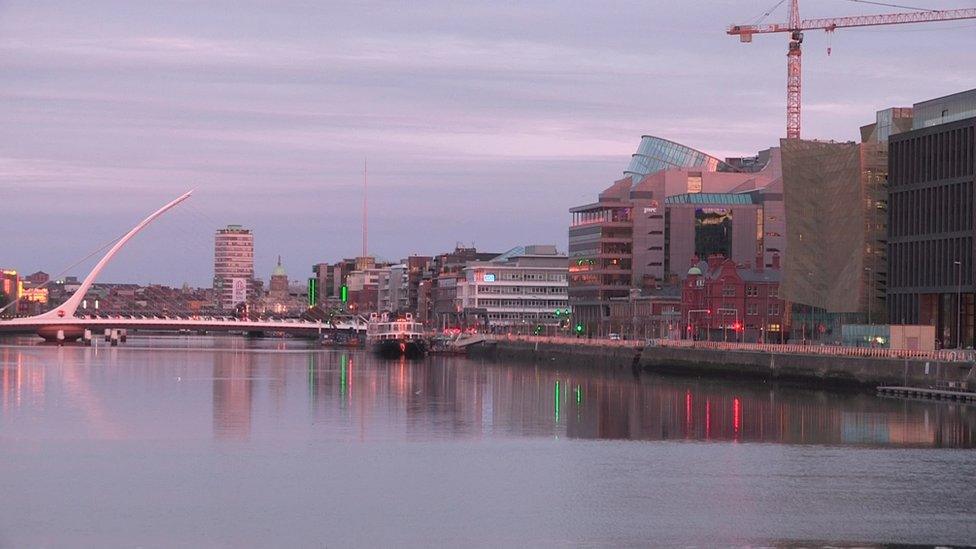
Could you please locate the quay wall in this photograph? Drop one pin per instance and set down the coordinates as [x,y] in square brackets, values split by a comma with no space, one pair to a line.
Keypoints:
[557,353]
[807,369]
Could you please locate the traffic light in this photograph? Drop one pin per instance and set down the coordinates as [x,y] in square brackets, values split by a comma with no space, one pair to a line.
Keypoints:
[579,327]
[538,329]
[344,293]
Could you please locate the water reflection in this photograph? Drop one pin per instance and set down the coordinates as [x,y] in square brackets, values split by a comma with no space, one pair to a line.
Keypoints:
[232,395]
[447,397]
[239,389]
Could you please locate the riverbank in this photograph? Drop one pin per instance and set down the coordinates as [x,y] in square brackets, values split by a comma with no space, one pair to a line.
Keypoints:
[810,368]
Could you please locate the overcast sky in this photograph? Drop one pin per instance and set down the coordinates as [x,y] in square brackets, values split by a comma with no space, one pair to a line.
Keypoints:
[481,122]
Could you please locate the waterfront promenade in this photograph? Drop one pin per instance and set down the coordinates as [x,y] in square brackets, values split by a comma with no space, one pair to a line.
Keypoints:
[941,355]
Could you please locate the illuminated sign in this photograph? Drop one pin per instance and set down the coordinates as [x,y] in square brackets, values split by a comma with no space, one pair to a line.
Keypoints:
[313,291]
[238,290]
[489,277]
[37,295]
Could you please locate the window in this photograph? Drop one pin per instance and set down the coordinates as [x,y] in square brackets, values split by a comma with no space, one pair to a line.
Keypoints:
[752,309]
[728,291]
[773,309]
[774,291]
[752,291]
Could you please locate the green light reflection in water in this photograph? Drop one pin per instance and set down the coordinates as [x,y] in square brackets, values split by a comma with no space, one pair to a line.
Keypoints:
[556,400]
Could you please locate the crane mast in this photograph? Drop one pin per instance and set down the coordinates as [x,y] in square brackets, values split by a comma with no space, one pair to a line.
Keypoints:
[796,26]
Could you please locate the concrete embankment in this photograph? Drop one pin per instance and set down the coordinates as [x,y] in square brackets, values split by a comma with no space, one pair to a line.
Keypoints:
[815,369]
[807,369]
[559,353]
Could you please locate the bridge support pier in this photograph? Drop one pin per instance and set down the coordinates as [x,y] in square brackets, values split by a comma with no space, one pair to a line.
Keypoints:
[123,335]
[86,338]
[60,333]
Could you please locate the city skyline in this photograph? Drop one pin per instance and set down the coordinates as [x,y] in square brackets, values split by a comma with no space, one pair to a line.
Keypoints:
[481,124]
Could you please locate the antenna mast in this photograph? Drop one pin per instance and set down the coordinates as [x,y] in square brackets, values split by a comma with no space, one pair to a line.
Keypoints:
[365,210]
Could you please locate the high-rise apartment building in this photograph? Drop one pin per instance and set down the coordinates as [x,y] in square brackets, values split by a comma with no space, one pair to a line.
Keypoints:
[233,266]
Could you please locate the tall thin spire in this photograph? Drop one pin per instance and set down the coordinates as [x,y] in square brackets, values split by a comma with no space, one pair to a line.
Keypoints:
[365,211]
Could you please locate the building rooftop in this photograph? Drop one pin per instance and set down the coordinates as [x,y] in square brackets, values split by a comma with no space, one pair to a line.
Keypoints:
[655,154]
[942,110]
[532,250]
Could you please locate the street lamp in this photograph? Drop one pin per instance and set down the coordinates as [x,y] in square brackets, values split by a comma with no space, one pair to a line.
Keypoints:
[958,265]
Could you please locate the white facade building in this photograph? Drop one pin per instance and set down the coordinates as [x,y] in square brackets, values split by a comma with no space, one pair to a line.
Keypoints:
[525,286]
[391,289]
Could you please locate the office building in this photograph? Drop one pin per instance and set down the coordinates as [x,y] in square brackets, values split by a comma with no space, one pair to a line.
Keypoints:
[932,169]
[524,288]
[673,200]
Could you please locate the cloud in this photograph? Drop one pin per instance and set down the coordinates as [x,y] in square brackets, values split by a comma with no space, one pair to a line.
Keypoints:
[482,121]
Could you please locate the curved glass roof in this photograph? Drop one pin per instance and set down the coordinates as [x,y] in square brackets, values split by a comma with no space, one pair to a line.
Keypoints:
[655,154]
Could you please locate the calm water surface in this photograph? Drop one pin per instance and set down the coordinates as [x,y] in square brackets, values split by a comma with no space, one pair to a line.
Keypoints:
[231,442]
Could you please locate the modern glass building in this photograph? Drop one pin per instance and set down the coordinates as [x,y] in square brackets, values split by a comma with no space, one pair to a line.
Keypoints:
[623,245]
[942,110]
[655,154]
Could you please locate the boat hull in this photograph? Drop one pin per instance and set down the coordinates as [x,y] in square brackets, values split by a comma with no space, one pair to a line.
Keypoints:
[396,348]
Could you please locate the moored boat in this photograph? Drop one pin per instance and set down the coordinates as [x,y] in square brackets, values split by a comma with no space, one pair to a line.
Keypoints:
[396,337]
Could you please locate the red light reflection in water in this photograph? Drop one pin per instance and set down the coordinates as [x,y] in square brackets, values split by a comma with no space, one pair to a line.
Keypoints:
[688,426]
[736,416]
[708,419]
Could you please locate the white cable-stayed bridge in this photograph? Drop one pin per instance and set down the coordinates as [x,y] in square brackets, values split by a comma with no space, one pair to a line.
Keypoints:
[63,323]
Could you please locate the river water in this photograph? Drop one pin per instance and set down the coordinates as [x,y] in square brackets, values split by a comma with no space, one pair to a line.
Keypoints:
[231,442]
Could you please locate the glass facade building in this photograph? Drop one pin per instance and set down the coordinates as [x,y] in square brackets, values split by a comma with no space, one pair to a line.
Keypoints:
[958,106]
[655,154]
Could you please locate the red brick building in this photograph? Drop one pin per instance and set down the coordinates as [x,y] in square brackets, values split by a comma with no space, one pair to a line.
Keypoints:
[727,302]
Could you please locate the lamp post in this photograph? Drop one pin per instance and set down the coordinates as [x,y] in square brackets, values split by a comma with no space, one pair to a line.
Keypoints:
[958,265]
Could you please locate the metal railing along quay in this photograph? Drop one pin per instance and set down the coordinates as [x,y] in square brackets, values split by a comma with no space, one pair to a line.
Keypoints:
[943,355]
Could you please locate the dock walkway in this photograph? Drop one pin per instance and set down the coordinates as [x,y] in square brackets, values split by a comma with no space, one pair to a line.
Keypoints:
[927,394]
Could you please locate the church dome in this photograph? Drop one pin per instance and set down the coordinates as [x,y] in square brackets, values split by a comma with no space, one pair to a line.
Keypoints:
[278,270]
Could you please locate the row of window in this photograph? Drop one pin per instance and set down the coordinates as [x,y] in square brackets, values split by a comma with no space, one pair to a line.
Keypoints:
[930,262]
[932,157]
[521,316]
[487,289]
[939,209]
[520,303]
[751,290]
[752,309]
